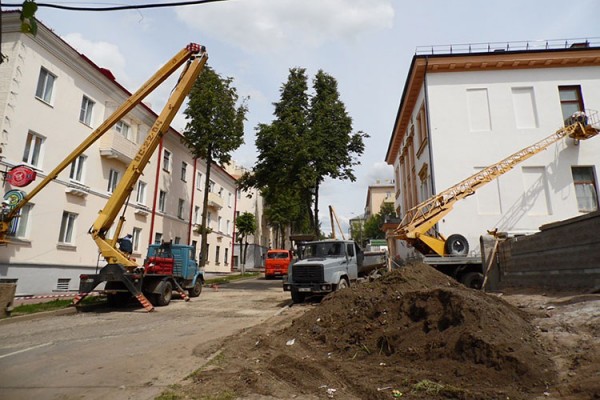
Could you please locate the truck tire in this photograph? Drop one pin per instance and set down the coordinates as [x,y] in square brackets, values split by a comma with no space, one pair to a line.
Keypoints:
[342,284]
[473,280]
[456,245]
[297,297]
[196,289]
[164,297]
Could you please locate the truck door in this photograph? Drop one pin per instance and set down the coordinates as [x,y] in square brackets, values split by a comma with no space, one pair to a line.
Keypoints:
[351,266]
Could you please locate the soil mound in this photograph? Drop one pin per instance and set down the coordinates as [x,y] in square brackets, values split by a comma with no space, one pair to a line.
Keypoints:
[414,333]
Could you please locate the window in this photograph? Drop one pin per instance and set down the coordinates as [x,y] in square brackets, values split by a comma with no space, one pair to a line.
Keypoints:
[198,181]
[141,193]
[113,180]
[219,223]
[33,149]
[211,186]
[85,115]
[137,234]
[586,189]
[570,100]
[197,216]
[166,160]
[184,171]
[67,228]
[180,208]
[177,240]
[23,221]
[76,173]
[229,197]
[157,237]
[45,85]
[162,197]
[125,130]
[62,284]
[217,254]
[208,219]
[227,226]
[226,257]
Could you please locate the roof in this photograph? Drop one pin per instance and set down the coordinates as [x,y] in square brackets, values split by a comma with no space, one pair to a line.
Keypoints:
[485,57]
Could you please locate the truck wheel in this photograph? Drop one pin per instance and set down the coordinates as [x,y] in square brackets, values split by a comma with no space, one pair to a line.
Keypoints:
[456,245]
[196,290]
[164,298]
[473,280]
[342,284]
[297,297]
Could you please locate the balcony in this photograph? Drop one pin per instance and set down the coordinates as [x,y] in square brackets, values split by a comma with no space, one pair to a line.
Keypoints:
[114,145]
[77,189]
[142,210]
[214,201]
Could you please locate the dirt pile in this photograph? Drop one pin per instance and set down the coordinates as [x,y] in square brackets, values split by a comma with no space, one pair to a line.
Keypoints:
[414,333]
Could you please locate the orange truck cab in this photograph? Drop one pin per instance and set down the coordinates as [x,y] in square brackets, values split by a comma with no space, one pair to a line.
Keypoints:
[277,263]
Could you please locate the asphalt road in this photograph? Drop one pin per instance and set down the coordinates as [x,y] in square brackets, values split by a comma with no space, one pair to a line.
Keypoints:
[127,353]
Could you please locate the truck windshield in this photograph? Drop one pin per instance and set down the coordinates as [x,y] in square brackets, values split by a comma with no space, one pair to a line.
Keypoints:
[277,255]
[327,249]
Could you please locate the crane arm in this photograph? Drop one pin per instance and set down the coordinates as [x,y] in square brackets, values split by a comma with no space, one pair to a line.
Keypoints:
[420,219]
[333,216]
[114,204]
[160,76]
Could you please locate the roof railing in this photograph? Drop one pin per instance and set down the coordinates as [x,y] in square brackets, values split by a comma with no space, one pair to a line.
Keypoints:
[496,47]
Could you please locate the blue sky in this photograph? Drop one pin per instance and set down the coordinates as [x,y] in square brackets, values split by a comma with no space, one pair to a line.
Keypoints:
[367,45]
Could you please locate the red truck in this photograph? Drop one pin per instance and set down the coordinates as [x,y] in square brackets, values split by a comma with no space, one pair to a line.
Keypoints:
[277,263]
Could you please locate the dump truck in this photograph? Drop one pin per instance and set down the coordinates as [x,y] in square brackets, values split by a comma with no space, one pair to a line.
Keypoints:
[122,276]
[326,266]
[277,262]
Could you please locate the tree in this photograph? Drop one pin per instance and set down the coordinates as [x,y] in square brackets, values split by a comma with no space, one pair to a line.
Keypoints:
[373,225]
[214,129]
[280,171]
[333,147]
[246,226]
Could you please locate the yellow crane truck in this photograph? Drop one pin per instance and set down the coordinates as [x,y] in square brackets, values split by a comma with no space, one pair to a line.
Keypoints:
[450,254]
[121,273]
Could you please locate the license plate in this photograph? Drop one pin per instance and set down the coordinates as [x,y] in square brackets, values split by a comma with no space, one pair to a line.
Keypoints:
[304,289]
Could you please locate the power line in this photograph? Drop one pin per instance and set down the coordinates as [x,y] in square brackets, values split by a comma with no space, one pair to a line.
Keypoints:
[118,8]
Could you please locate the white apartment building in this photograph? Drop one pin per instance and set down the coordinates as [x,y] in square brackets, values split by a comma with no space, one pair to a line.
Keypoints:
[51,99]
[466,107]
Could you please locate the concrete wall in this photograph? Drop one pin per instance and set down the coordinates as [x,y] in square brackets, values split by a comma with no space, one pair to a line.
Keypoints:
[564,255]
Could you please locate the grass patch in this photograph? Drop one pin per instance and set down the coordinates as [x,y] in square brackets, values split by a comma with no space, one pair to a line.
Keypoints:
[229,278]
[58,304]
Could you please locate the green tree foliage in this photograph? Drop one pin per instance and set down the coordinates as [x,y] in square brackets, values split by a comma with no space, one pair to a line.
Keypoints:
[28,22]
[214,128]
[334,149]
[246,226]
[309,139]
[373,225]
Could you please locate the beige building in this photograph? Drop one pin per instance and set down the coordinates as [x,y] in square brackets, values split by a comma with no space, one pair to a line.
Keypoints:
[51,98]
[381,192]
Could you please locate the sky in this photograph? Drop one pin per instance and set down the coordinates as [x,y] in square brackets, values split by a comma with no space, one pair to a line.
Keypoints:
[366,45]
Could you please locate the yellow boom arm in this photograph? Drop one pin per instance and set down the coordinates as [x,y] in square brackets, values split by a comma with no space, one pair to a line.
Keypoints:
[419,220]
[196,57]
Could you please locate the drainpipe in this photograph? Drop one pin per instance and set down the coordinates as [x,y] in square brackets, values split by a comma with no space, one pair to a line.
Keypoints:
[195,175]
[234,229]
[428,127]
[160,148]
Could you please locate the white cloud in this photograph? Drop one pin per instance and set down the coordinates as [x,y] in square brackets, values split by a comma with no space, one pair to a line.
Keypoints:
[266,25]
[103,54]
[379,171]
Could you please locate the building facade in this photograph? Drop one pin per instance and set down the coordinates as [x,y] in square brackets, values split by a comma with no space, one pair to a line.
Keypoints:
[51,99]
[381,192]
[463,109]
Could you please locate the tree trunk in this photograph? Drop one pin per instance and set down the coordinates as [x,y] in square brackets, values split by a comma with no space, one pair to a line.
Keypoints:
[316,214]
[204,237]
[245,254]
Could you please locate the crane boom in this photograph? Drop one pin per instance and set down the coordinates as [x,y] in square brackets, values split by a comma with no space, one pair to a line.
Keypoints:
[421,219]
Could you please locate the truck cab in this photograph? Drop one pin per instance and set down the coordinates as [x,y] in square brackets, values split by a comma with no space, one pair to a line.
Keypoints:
[277,262]
[323,267]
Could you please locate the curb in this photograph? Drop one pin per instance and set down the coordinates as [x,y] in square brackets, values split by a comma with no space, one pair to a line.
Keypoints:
[39,315]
